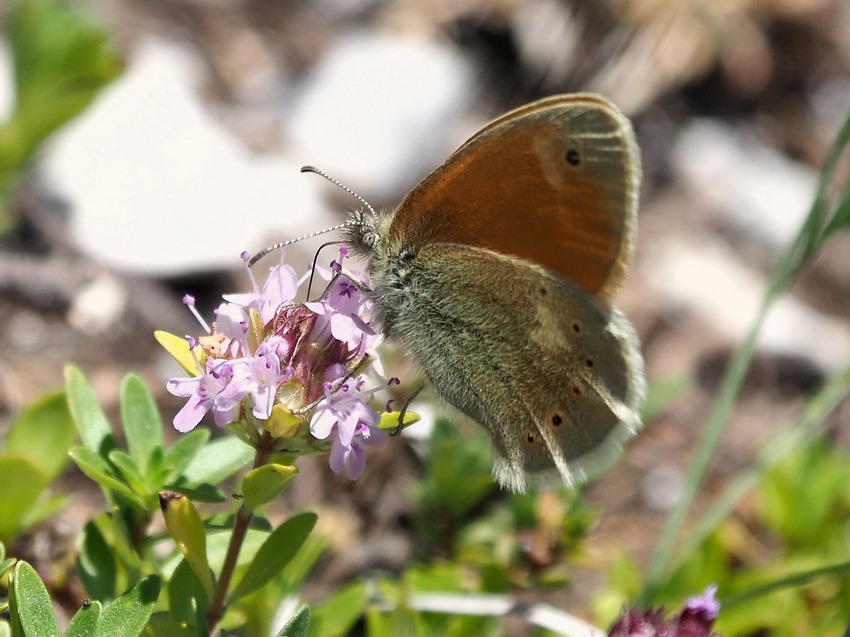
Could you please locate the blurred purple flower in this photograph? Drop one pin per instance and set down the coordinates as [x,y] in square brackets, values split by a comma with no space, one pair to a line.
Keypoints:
[695,620]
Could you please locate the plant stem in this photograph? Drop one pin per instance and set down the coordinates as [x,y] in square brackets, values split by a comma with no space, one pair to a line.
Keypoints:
[240,529]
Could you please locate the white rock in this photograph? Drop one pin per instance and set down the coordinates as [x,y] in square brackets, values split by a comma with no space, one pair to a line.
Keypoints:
[756,189]
[713,283]
[379,110]
[157,186]
[99,305]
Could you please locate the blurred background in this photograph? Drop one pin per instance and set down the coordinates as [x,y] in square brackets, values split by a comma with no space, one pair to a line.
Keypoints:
[148,143]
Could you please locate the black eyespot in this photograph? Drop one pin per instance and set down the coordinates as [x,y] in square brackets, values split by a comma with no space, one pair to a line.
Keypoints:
[577,390]
[530,437]
[576,328]
[543,292]
[557,420]
[573,157]
[588,362]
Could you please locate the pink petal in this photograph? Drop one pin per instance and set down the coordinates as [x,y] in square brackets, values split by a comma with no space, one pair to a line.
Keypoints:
[190,415]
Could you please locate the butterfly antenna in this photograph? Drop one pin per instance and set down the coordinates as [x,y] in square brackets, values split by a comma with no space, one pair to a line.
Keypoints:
[313,169]
[278,246]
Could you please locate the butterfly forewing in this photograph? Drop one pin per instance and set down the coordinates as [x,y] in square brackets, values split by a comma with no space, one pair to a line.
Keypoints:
[579,219]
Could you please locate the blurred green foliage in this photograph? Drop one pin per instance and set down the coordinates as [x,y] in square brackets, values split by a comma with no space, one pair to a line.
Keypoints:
[34,455]
[61,62]
[783,567]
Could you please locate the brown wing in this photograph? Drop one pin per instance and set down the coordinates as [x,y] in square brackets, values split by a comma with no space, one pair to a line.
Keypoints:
[554,182]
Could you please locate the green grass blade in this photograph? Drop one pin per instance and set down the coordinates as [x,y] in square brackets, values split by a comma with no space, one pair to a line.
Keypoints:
[808,241]
[791,581]
[804,427]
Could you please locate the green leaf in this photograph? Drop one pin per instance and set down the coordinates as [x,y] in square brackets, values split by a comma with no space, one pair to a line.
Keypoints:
[45,508]
[458,471]
[218,460]
[127,615]
[130,471]
[263,484]
[157,471]
[5,629]
[141,421]
[98,470]
[182,452]
[219,541]
[43,433]
[84,622]
[841,219]
[275,553]
[187,529]
[96,566]
[61,63]
[6,565]
[298,624]
[162,625]
[391,420]
[305,559]
[21,486]
[114,526]
[32,602]
[336,617]
[187,598]
[89,417]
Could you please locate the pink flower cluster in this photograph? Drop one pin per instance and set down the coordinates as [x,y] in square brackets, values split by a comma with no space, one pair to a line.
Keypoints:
[266,354]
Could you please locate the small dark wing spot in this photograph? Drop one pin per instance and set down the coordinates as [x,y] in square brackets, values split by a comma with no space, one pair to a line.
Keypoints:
[557,420]
[573,157]
[543,292]
[530,437]
[576,328]
[588,362]
[577,390]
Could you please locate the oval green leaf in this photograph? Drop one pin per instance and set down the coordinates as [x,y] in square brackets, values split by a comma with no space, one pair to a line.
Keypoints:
[279,548]
[89,417]
[140,420]
[98,470]
[84,621]
[128,615]
[44,432]
[263,484]
[218,460]
[32,603]
[21,486]
[184,450]
[96,564]
[298,625]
